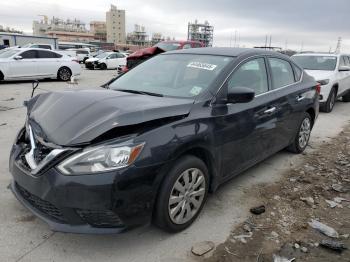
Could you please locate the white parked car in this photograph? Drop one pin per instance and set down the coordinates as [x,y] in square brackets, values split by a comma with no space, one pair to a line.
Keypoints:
[82,54]
[332,71]
[36,63]
[107,60]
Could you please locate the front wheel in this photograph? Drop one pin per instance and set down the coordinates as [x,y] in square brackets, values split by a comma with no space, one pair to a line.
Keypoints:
[329,105]
[302,138]
[103,66]
[182,194]
[64,74]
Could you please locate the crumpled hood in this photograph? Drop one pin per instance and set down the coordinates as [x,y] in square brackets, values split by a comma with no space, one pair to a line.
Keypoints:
[92,59]
[74,117]
[146,52]
[320,74]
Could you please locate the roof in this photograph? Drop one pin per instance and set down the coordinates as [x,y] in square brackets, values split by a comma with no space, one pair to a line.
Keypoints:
[223,51]
[318,54]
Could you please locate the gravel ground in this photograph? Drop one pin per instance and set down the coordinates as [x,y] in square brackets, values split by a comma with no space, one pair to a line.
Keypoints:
[319,189]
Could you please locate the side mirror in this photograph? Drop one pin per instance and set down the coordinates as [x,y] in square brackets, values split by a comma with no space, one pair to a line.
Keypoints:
[240,95]
[18,57]
[344,68]
[108,58]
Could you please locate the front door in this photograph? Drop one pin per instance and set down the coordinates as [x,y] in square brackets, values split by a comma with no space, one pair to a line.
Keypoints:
[246,131]
[25,67]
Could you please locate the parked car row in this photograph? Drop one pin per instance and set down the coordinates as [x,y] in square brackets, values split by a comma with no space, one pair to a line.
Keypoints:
[158,139]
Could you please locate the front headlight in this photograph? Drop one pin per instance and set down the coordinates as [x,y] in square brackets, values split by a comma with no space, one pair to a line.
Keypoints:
[324,82]
[100,159]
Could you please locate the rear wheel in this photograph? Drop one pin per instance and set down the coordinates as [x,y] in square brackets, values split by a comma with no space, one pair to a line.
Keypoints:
[329,105]
[346,98]
[182,194]
[64,74]
[1,76]
[103,66]
[302,138]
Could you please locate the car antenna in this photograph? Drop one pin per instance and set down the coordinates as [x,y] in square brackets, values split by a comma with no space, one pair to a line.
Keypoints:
[35,84]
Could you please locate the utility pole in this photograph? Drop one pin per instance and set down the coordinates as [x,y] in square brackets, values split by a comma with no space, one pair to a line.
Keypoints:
[337,50]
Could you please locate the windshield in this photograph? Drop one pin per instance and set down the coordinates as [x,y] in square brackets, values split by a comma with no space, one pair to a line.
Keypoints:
[179,75]
[168,46]
[103,55]
[8,53]
[326,63]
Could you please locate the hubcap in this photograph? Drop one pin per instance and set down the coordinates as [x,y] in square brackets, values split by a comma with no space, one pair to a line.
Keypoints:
[187,196]
[304,132]
[64,74]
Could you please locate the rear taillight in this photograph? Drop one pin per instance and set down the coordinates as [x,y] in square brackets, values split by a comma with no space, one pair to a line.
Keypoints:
[318,88]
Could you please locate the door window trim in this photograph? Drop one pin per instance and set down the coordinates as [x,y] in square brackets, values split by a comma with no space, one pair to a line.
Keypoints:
[269,77]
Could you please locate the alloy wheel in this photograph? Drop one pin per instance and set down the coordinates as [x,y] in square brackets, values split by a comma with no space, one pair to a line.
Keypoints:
[65,74]
[187,196]
[304,133]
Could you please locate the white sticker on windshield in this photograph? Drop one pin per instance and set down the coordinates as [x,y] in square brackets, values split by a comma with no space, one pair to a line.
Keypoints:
[196,90]
[201,65]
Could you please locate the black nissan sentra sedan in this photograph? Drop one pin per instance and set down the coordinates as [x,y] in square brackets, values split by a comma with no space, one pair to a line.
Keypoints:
[152,144]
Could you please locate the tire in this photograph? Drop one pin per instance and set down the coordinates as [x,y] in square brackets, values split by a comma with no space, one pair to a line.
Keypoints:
[103,66]
[302,137]
[346,97]
[64,74]
[185,207]
[84,60]
[329,105]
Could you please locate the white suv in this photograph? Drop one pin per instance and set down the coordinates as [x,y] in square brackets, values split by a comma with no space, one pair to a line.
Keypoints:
[332,71]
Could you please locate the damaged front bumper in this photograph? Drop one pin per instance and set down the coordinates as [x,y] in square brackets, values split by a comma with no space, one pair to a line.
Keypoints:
[109,202]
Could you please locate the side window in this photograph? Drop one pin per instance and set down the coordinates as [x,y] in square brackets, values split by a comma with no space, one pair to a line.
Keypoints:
[57,55]
[31,54]
[112,56]
[187,46]
[252,75]
[282,73]
[46,54]
[120,55]
[347,60]
[45,46]
[342,61]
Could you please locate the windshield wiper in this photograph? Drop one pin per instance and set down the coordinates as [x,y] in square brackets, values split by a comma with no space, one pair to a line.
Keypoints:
[139,92]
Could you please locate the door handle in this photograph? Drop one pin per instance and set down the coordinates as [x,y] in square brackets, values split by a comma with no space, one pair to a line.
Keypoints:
[300,98]
[270,110]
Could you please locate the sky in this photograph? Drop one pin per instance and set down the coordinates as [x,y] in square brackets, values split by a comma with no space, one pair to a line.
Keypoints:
[308,25]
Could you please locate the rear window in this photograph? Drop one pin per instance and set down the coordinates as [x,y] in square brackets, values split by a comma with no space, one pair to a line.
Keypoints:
[325,63]
[48,54]
[82,52]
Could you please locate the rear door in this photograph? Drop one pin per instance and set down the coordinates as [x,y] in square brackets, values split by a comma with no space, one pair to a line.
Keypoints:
[290,98]
[121,59]
[344,76]
[112,61]
[25,67]
[246,131]
[47,63]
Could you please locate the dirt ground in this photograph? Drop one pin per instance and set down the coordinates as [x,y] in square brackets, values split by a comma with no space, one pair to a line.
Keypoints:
[291,204]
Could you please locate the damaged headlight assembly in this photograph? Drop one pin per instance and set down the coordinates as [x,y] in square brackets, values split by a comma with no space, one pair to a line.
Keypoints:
[100,159]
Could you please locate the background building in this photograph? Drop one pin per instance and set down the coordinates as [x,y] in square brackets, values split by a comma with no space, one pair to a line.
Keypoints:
[201,32]
[99,30]
[64,30]
[138,37]
[115,25]
[156,38]
[14,39]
